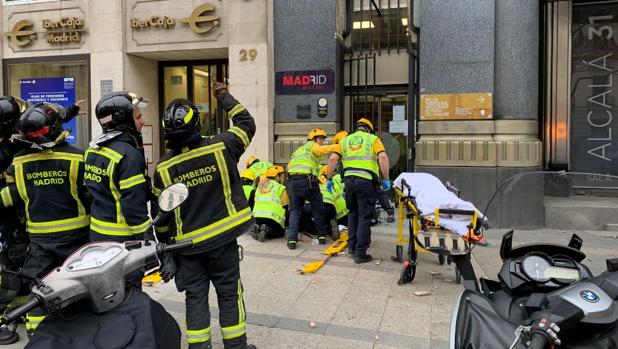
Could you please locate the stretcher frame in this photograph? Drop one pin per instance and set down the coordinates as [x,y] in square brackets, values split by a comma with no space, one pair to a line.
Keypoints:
[435,238]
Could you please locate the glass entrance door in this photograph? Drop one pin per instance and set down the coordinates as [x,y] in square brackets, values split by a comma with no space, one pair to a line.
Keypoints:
[388,113]
[194,81]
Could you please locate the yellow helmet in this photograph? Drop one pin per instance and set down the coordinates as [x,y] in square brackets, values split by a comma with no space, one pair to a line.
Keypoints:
[274,171]
[248,174]
[365,122]
[253,159]
[339,136]
[324,170]
[316,132]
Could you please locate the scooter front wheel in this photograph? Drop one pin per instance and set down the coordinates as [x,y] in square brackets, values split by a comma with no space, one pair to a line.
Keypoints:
[407,273]
[457,275]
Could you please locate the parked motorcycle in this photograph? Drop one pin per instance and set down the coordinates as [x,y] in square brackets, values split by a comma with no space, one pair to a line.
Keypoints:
[88,303]
[545,296]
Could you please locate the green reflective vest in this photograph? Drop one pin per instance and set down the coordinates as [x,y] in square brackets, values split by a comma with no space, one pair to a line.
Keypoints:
[336,198]
[247,189]
[358,157]
[260,167]
[268,204]
[304,161]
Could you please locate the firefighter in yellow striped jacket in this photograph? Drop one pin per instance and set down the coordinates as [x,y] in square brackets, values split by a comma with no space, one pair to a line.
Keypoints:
[48,179]
[214,215]
[271,202]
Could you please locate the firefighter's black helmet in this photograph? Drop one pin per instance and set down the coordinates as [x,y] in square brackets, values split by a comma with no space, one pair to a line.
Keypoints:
[10,111]
[181,116]
[42,123]
[115,111]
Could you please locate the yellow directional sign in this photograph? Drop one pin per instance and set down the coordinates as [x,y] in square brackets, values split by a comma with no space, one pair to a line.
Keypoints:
[457,106]
[197,16]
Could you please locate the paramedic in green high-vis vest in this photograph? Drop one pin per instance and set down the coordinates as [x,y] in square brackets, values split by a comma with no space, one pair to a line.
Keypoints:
[364,157]
[271,202]
[248,186]
[304,169]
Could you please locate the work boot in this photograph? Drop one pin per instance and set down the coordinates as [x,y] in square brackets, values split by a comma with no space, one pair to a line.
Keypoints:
[292,244]
[254,231]
[261,235]
[322,239]
[7,336]
[351,252]
[334,229]
[391,218]
[364,259]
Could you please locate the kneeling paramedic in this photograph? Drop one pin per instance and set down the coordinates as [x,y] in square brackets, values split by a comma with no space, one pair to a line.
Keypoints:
[335,209]
[215,214]
[304,169]
[48,178]
[361,152]
[271,202]
[258,167]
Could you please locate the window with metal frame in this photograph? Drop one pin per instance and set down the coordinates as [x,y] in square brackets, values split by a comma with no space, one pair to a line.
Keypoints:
[374,30]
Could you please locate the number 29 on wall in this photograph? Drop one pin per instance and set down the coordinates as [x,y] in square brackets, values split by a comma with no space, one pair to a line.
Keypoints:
[246,55]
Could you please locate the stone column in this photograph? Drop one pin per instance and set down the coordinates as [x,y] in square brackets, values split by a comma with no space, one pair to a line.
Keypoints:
[249,26]
[482,46]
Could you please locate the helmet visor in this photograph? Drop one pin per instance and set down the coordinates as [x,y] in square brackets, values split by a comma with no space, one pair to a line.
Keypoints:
[138,101]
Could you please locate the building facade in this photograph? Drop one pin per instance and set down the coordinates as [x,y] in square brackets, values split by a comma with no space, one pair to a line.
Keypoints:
[67,50]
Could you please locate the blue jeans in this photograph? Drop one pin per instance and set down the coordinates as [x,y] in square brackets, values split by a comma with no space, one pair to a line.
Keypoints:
[303,189]
[360,198]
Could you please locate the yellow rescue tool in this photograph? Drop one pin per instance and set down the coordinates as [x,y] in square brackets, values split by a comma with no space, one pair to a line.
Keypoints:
[332,250]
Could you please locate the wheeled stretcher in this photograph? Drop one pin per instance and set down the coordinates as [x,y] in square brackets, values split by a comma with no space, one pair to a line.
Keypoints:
[438,221]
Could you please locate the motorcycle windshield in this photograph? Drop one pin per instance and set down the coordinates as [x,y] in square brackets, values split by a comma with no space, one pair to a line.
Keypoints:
[546,208]
[549,207]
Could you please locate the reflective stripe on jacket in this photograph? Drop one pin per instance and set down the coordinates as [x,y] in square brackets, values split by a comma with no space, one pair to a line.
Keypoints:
[304,161]
[50,184]
[116,179]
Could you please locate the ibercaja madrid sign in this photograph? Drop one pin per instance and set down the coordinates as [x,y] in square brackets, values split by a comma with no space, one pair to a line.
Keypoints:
[305,82]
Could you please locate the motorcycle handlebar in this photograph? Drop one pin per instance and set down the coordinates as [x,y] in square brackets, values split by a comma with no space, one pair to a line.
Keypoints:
[21,311]
[538,341]
[181,246]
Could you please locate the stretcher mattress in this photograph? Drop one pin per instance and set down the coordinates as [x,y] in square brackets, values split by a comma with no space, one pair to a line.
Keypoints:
[431,193]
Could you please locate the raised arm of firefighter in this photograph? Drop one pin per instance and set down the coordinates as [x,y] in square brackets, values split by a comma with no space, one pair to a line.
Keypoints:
[134,192]
[237,137]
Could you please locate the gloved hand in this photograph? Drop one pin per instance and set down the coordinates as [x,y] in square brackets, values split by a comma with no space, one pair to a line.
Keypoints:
[386,184]
[219,88]
[329,185]
[168,268]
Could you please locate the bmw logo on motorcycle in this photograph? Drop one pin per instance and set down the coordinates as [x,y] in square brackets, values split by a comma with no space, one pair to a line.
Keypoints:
[589,296]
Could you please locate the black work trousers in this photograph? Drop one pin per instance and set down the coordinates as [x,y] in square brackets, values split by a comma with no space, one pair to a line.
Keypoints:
[360,198]
[304,189]
[384,201]
[195,273]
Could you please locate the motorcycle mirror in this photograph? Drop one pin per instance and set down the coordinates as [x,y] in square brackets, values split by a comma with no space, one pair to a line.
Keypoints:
[173,196]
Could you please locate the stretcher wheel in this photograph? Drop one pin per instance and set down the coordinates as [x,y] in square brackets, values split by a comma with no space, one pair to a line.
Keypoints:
[441,259]
[399,254]
[457,275]
[407,273]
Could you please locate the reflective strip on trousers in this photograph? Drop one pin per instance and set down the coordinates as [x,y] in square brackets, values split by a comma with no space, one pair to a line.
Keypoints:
[234,331]
[198,336]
